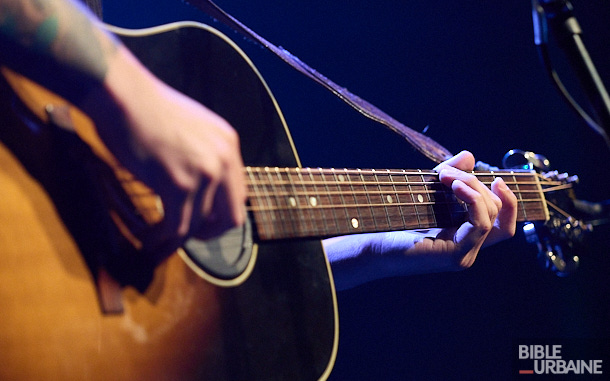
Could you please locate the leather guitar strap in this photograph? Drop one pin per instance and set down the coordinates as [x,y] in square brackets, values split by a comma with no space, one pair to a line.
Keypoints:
[427,146]
[422,143]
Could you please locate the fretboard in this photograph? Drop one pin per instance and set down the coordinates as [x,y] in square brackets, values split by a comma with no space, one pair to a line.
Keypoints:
[316,202]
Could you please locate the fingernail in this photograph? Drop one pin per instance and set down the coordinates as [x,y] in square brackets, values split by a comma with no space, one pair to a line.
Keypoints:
[450,170]
[501,183]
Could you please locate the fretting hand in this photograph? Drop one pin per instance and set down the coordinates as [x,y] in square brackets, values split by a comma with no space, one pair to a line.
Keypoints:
[492,215]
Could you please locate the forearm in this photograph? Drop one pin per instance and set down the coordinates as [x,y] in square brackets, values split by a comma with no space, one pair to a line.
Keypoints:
[362,258]
[62,46]
[57,43]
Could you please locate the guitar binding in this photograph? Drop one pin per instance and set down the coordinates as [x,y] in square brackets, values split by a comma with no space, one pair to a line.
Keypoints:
[226,260]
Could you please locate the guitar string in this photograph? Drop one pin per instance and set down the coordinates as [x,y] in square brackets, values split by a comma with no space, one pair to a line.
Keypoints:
[365,192]
[392,181]
[422,221]
[418,220]
[398,210]
[323,177]
[435,175]
[360,174]
[366,205]
[400,172]
[380,192]
[352,192]
[549,187]
[315,188]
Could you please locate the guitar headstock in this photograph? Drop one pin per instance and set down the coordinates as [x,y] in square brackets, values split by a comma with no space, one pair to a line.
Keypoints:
[560,238]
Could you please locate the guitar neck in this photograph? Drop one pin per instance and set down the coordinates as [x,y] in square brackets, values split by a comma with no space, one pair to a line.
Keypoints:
[316,202]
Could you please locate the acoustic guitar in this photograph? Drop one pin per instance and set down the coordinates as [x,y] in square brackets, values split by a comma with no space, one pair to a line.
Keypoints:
[83,298]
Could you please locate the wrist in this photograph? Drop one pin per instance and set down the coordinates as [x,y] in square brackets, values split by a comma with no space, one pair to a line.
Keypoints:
[115,102]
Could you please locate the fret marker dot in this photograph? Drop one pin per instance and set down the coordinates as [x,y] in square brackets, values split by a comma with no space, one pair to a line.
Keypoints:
[292,201]
[389,199]
[313,201]
[420,198]
[355,223]
[341,178]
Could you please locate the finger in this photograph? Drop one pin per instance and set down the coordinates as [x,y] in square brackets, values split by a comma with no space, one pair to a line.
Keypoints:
[225,215]
[463,161]
[236,193]
[172,201]
[163,238]
[197,207]
[471,235]
[449,175]
[223,205]
[506,220]
[482,212]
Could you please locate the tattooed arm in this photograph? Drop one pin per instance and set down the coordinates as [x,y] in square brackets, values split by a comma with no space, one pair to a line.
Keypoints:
[184,151]
[55,43]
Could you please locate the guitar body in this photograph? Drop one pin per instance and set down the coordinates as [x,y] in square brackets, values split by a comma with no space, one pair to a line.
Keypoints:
[59,247]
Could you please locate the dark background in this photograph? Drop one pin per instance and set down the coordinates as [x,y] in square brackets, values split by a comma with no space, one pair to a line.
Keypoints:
[469,71]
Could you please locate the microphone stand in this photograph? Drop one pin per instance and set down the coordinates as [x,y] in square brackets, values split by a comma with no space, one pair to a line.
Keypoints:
[557,247]
[567,32]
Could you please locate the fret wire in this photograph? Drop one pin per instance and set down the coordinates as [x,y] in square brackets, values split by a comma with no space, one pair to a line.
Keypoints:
[559,184]
[429,199]
[431,203]
[520,198]
[308,200]
[360,220]
[381,193]
[298,225]
[337,182]
[410,202]
[368,197]
[398,206]
[330,201]
[414,203]
[512,174]
[539,187]
[258,199]
[271,221]
[287,218]
[334,232]
[318,200]
[399,192]
[304,220]
[418,172]
[272,189]
[434,174]
[412,194]
[273,226]
[494,179]
[449,210]
[522,184]
[319,218]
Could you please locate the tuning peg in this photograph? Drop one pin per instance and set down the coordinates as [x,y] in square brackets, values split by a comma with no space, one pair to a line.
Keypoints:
[519,159]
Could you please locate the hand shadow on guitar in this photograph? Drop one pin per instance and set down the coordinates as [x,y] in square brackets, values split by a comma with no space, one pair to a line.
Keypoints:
[71,176]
